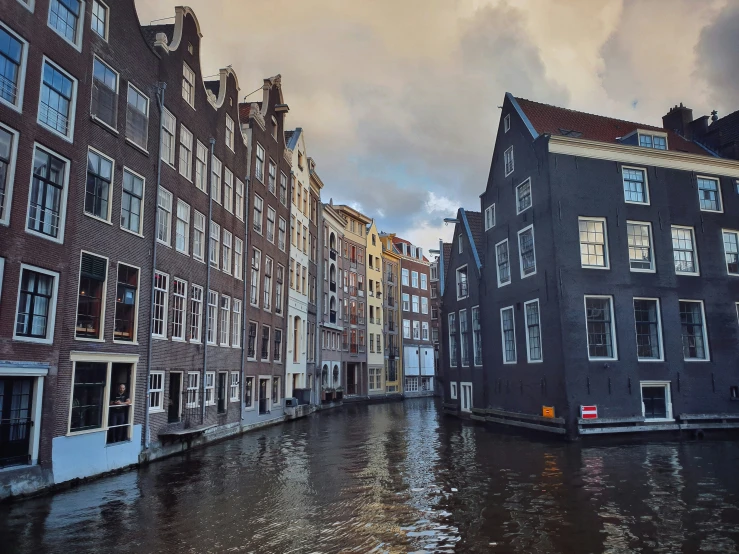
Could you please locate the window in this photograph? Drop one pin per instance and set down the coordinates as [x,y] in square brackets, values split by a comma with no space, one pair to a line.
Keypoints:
[210,388]
[48,197]
[600,327]
[13,52]
[99,185]
[132,197]
[278,289]
[99,21]
[658,142]
[648,329]
[179,307]
[655,400]
[182,228]
[411,384]
[453,391]
[683,250]
[508,161]
[36,309]
[276,390]
[156,391]
[137,117]
[256,260]
[104,94]
[476,336]
[466,400]
[268,283]
[248,392]
[414,279]
[228,187]
[169,127]
[89,391]
[406,302]
[225,320]
[272,178]
[278,346]
[527,252]
[414,303]
[227,243]
[239,199]
[185,153]
[405,276]
[126,301]
[694,334]
[201,167]
[198,236]
[258,207]
[533,331]
[265,343]
[260,163]
[406,329]
[462,287]
[238,254]
[164,216]
[506,128]
[636,190]
[64,18]
[236,324]
[215,240]
[234,387]
[709,194]
[731,251]
[91,297]
[593,244]
[159,308]
[8,156]
[212,317]
[188,84]
[56,104]
[282,232]
[490,217]
[452,319]
[230,132]
[216,171]
[283,189]
[196,313]
[641,254]
[271,214]
[424,305]
[416,330]
[193,390]
[503,263]
[464,332]
[508,335]
[523,196]
[252,339]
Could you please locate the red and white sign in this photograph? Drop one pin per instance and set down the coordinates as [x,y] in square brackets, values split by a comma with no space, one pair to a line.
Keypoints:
[589,412]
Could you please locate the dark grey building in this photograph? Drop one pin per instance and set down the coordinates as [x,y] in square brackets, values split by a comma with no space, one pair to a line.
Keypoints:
[610,276]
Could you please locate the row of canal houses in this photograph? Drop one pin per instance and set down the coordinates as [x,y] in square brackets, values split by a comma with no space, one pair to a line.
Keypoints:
[596,288]
[169,273]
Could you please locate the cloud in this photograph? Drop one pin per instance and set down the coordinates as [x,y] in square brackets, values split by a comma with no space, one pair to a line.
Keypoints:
[718,63]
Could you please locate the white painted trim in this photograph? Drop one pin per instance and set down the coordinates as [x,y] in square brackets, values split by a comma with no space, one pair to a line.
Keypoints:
[497,267]
[531,195]
[63,204]
[51,317]
[10,176]
[647,194]
[520,258]
[36,370]
[606,250]
[453,390]
[706,346]
[456,275]
[489,209]
[507,123]
[643,156]
[462,314]
[513,164]
[77,44]
[695,251]
[28,4]
[69,137]
[659,331]
[18,106]
[652,254]
[526,329]
[450,333]
[502,335]
[613,326]
[462,386]
[668,399]
[718,190]
[160,407]
[723,242]
[107,20]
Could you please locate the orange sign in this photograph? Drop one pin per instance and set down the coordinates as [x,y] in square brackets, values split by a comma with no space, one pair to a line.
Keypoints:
[547,411]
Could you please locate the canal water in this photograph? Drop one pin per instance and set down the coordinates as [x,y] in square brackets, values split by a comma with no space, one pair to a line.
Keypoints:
[398,477]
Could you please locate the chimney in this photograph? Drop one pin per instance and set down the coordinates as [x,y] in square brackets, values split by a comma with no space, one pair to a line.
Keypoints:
[678,119]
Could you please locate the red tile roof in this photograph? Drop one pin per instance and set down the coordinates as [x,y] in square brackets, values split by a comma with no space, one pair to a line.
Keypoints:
[244,109]
[554,120]
[397,241]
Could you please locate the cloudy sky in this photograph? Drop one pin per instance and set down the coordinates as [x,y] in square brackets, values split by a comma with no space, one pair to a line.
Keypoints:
[399,98]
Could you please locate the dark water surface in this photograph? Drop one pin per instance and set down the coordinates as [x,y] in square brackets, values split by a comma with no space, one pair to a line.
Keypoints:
[398,478]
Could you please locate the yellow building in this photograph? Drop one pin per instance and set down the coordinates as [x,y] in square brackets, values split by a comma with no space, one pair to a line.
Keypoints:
[393,341]
[375,288]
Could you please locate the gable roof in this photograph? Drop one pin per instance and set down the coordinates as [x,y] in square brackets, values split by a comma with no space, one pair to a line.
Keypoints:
[397,241]
[474,220]
[553,120]
[291,138]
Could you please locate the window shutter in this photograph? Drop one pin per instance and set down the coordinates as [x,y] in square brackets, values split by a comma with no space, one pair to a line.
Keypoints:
[94,267]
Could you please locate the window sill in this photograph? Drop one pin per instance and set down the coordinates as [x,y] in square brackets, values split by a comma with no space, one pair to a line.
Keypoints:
[159,337]
[157,411]
[128,342]
[596,267]
[96,218]
[33,340]
[83,339]
[104,125]
[141,149]
[650,360]
[132,232]
[56,240]
[162,243]
[15,107]
[696,360]
[178,340]
[712,211]
[68,138]
[74,45]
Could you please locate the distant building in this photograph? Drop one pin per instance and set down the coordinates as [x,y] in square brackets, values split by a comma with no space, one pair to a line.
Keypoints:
[392,338]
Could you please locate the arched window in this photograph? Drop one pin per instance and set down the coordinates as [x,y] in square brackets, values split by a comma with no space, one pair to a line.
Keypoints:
[324,376]
[332,241]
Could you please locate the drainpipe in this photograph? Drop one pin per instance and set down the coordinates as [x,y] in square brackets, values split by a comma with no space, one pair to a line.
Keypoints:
[242,378]
[161,87]
[207,278]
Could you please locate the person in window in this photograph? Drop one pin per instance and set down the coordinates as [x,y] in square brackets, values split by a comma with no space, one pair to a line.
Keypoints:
[119,410]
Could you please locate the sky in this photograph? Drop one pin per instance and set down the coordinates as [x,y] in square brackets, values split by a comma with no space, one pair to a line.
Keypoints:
[399,99]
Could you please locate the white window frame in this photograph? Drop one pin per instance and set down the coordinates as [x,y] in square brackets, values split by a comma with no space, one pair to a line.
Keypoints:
[694,250]
[21,86]
[185,306]
[651,135]
[77,43]
[148,107]
[528,338]
[165,306]
[168,116]
[197,218]
[659,331]
[497,266]
[214,252]
[230,134]
[723,242]
[453,390]
[668,399]
[647,196]
[462,405]
[10,176]
[259,164]
[63,202]
[718,190]
[706,345]
[199,319]
[234,384]
[606,251]
[227,250]
[464,346]
[212,329]
[236,319]
[415,304]
[159,407]
[138,233]
[228,189]
[490,217]
[239,199]
[210,389]
[520,257]
[51,317]
[201,177]
[238,264]
[652,256]
[505,164]
[474,338]
[407,327]
[216,170]
[507,123]
[160,211]
[186,222]
[518,198]
[69,137]
[424,305]
[195,388]
[460,244]
[106,9]
[185,161]
[457,281]
[502,336]
[108,216]
[614,341]
[188,79]
[224,321]
[405,277]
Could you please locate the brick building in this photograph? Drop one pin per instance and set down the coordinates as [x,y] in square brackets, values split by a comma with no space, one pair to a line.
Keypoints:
[315,283]
[392,337]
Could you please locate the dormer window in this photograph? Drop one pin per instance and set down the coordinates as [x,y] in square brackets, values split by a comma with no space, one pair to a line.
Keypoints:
[652,140]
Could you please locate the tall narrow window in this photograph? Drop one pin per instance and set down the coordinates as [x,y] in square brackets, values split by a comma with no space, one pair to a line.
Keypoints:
[593,242]
[508,161]
[508,335]
[476,336]
[56,109]
[228,187]
[267,283]
[91,297]
[648,329]
[256,261]
[635,186]
[271,214]
[236,324]
[527,252]
[490,217]
[217,170]
[212,317]
[99,22]
[265,343]
[283,189]
[12,61]
[464,332]
[641,254]
[182,228]
[125,303]
[188,84]
[215,241]
[503,263]
[227,245]
[225,320]
[36,309]
[156,391]
[132,198]
[251,349]
[179,307]
[64,18]
[201,167]
[683,250]
[462,286]
[258,209]
[185,153]
[230,132]
[48,192]
[709,194]
[164,216]
[159,308]
[600,327]
[692,318]
[137,117]
[198,236]
[272,178]
[104,94]
[523,196]
[731,251]
[238,258]
[98,186]
[259,169]
[278,289]
[239,199]
[8,156]
[533,331]
[196,313]
[169,127]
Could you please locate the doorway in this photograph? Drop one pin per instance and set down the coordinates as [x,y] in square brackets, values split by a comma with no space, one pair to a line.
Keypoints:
[263,396]
[351,379]
[656,401]
[16,394]
[174,410]
[222,392]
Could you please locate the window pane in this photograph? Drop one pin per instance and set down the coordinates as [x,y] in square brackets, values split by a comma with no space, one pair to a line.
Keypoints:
[598,314]
[647,329]
[640,247]
[634,186]
[683,250]
[691,318]
[708,195]
[593,243]
[11,50]
[87,396]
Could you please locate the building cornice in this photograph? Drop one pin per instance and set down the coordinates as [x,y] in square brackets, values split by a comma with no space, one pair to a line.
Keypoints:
[643,156]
